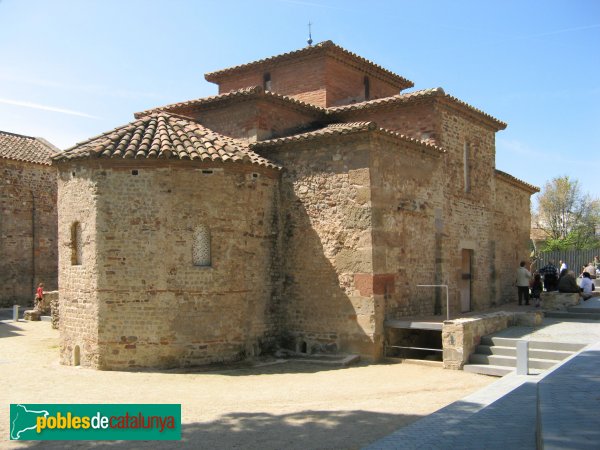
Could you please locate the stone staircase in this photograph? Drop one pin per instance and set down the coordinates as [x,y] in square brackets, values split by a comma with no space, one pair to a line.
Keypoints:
[497,356]
[575,312]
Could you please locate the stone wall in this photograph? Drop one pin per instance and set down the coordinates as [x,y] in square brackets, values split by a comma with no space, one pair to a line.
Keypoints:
[28,243]
[512,219]
[153,306]
[329,294]
[78,293]
[406,193]
[460,337]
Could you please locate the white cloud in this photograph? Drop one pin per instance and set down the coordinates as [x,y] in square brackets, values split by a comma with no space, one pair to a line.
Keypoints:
[46,108]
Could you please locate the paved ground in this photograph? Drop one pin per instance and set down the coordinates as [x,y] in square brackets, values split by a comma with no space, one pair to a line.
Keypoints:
[504,414]
[287,405]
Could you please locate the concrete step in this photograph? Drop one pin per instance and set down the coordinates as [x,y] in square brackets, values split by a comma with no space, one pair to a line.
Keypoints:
[555,355]
[487,369]
[538,345]
[509,361]
[580,309]
[572,315]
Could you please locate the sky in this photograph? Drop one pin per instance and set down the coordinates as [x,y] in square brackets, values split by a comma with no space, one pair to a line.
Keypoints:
[72,69]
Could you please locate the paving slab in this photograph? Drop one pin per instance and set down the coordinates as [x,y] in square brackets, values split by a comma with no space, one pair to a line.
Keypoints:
[569,403]
[505,414]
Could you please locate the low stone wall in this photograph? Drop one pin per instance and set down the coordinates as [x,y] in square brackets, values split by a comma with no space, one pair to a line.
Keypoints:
[54,310]
[557,301]
[461,336]
[45,306]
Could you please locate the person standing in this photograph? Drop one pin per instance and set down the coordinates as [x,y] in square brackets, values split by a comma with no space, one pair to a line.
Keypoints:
[563,265]
[523,277]
[536,289]
[39,295]
[550,275]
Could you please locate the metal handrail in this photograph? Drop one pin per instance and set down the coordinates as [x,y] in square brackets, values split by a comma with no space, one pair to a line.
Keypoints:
[447,298]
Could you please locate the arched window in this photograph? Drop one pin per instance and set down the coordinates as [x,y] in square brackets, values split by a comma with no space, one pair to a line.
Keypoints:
[76,244]
[76,356]
[201,246]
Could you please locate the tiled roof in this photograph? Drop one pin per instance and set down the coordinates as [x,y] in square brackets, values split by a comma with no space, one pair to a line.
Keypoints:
[164,136]
[26,148]
[519,183]
[414,96]
[249,92]
[322,47]
[400,98]
[338,129]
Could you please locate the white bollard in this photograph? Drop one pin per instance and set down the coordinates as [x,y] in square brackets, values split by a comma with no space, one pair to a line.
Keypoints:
[522,357]
[15,313]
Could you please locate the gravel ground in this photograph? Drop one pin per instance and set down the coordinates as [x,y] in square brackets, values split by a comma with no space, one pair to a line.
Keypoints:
[287,405]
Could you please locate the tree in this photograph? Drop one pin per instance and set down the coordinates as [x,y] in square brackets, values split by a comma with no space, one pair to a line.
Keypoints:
[569,217]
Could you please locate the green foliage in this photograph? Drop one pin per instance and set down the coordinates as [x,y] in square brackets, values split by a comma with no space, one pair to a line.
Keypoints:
[569,217]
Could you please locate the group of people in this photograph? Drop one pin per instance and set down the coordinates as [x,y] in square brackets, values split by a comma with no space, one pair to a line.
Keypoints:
[562,280]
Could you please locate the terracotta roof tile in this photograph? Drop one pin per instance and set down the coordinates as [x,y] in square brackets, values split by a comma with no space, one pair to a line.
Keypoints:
[164,136]
[414,96]
[338,129]
[26,148]
[245,93]
[400,98]
[322,47]
[517,182]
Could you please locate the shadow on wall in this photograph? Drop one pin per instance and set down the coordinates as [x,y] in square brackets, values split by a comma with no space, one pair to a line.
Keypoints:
[322,312]
[301,430]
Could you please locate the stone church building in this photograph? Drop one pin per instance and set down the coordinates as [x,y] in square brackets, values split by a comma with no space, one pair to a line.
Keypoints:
[300,207]
[28,219]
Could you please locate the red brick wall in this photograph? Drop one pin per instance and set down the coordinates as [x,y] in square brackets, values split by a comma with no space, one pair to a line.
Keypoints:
[303,79]
[321,81]
[345,85]
[416,120]
[256,119]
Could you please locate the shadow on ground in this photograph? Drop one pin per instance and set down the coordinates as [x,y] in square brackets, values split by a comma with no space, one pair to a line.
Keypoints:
[9,330]
[301,430]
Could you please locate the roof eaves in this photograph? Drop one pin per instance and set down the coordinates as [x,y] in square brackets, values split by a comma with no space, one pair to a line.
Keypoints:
[339,129]
[233,96]
[173,125]
[387,101]
[475,112]
[517,182]
[321,47]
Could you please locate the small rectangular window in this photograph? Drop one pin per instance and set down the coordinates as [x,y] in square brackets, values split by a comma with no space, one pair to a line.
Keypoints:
[76,251]
[367,84]
[201,246]
[267,81]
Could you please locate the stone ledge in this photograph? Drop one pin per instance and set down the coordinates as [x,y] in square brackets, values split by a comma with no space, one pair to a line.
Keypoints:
[32,315]
[558,301]
[461,336]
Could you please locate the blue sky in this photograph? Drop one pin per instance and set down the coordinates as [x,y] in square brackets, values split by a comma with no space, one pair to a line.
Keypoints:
[73,69]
